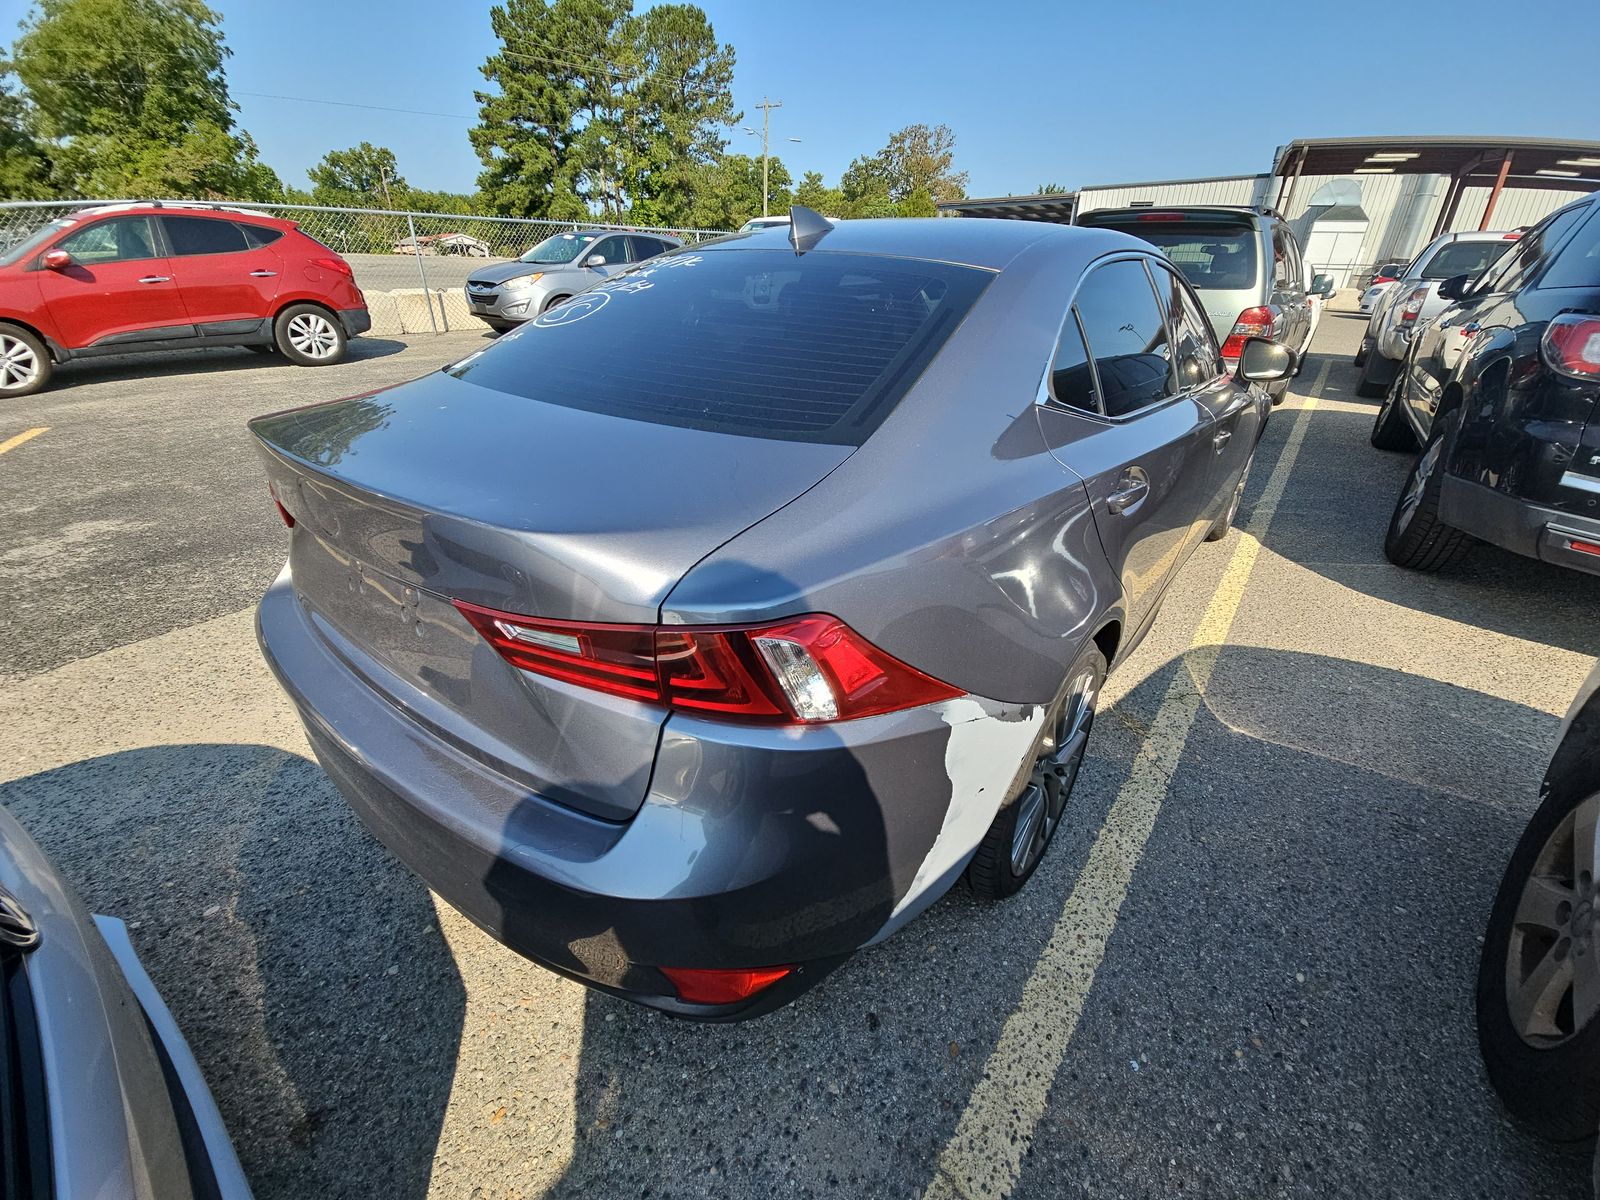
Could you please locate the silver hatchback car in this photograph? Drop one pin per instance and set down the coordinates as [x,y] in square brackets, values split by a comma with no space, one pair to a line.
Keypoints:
[688,671]
[506,294]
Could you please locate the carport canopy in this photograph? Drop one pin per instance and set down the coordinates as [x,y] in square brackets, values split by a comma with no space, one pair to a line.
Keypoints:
[1046,206]
[1498,162]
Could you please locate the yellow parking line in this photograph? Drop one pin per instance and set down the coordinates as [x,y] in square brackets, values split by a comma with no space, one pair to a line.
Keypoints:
[983,1160]
[29,435]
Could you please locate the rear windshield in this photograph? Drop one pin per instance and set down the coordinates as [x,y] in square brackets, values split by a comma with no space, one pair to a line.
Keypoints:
[1218,258]
[1463,258]
[817,348]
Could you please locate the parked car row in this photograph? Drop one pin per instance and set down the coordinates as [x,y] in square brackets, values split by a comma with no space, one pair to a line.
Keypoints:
[1412,300]
[130,278]
[558,268]
[1498,397]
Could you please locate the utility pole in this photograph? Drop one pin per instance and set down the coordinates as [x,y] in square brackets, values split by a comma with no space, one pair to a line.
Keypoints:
[766,106]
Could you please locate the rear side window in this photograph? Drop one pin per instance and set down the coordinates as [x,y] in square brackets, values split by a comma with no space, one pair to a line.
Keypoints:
[1127,337]
[1462,258]
[1530,251]
[1071,380]
[1222,258]
[1578,264]
[200,235]
[761,343]
[260,235]
[644,247]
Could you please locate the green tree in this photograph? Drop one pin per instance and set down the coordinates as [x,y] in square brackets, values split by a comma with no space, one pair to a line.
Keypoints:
[24,171]
[922,158]
[129,97]
[1051,189]
[363,176]
[918,204]
[600,112]
[818,196]
[727,192]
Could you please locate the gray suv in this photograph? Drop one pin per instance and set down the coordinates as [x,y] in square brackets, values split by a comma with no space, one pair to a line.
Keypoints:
[1245,263]
[506,294]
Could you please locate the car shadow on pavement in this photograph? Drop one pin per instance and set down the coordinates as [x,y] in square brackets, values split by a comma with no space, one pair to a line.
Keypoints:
[1334,524]
[304,965]
[1291,977]
[82,371]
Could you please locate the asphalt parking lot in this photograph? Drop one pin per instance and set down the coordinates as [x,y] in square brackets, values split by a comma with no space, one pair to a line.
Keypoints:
[1245,968]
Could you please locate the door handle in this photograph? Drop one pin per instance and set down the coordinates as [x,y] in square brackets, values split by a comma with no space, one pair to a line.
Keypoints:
[1221,439]
[156,279]
[263,274]
[1130,493]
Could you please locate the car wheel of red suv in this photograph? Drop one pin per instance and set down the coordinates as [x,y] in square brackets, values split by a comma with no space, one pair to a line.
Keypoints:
[25,364]
[309,335]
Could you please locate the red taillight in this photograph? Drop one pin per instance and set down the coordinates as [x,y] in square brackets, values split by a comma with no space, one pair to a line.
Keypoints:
[333,263]
[722,987]
[1413,304]
[1252,322]
[1585,547]
[288,517]
[1571,345]
[1384,279]
[1161,216]
[801,670]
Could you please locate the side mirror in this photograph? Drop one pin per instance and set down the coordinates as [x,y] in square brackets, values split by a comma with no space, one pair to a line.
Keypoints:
[1322,285]
[1264,361]
[1455,288]
[595,260]
[56,260]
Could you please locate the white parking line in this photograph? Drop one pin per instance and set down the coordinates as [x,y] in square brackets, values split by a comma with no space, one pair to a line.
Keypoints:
[983,1159]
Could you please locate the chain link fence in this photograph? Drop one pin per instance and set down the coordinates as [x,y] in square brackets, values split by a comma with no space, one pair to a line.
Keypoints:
[413,266]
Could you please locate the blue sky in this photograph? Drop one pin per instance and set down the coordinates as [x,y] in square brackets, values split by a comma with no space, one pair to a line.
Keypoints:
[1036,92]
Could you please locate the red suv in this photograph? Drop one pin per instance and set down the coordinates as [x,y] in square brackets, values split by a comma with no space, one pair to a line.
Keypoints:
[132,277]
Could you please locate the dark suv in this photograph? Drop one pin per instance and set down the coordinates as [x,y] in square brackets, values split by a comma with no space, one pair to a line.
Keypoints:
[1500,394]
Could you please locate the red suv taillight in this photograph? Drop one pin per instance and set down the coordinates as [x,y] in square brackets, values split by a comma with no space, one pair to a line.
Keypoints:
[800,670]
[1571,345]
[1413,305]
[1252,322]
[334,263]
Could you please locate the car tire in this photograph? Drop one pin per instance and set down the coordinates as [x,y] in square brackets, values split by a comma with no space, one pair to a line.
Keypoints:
[1417,539]
[500,326]
[309,335]
[25,364]
[1390,429]
[1542,1057]
[1226,520]
[1367,386]
[1021,833]
[552,302]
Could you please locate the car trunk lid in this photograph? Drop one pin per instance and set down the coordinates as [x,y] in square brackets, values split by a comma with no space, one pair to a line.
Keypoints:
[441,490]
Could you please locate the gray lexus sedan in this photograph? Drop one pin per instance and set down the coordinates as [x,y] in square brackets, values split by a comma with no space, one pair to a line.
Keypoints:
[506,294]
[689,670]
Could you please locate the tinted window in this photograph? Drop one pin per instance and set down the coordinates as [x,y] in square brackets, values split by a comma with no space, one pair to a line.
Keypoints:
[1071,381]
[613,249]
[755,342]
[1223,258]
[260,235]
[120,239]
[1463,258]
[1578,264]
[644,247]
[1194,346]
[1511,271]
[1126,336]
[199,235]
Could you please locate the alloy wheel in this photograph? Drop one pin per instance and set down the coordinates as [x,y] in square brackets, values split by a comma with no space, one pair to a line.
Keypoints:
[1552,968]
[312,335]
[1418,483]
[1054,771]
[19,364]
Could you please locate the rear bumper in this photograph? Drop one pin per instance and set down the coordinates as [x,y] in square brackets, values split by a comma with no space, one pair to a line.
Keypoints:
[1518,525]
[356,321]
[753,847]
